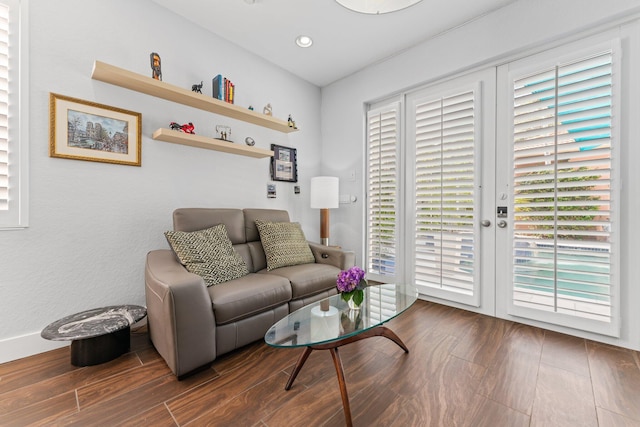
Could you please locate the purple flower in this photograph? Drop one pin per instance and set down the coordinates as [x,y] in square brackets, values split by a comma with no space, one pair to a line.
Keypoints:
[351,279]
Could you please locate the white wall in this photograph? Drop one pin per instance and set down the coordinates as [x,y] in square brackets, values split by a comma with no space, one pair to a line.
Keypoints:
[511,32]
[91,224]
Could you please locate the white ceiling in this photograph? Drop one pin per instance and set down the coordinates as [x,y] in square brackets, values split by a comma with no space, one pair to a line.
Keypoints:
[343,41]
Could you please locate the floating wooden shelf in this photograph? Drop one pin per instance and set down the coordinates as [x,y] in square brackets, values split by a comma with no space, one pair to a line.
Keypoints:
[177,137]
[137,82]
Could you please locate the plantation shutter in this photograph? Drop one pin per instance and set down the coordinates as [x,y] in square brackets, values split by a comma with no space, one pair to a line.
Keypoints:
[382,190]
[14,113]
[445,198]
[4,106]
[563,189]
[382,303]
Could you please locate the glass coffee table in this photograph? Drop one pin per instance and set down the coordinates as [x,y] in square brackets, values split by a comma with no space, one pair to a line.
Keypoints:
[330,323]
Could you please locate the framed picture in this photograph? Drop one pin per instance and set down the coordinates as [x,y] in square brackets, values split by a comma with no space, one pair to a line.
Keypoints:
[284,166]
[85,130]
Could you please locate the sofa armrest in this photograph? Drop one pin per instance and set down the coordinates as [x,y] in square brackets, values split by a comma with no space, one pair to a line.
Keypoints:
[333,256]
[180,314]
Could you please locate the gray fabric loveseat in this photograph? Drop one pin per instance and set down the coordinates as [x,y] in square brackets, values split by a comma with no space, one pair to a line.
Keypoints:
[190,323]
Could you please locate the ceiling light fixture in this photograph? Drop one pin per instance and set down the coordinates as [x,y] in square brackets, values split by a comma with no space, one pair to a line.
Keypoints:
[377,7]
[304,41]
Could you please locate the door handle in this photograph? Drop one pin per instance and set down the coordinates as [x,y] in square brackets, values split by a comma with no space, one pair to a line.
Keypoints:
[485,223]
[502,223]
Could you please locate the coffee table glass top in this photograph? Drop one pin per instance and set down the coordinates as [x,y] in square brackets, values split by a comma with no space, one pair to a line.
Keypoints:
[320,322]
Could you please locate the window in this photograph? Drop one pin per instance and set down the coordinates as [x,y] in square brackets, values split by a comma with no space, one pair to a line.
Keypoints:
[13,114]
[382,196]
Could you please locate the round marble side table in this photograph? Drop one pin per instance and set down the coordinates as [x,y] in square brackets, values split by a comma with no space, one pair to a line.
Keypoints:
[97,335]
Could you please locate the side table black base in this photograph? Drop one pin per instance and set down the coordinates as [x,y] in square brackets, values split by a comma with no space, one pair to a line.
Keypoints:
[97,335]
[100,349]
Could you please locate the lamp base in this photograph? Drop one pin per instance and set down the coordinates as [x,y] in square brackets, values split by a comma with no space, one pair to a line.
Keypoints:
[324,226]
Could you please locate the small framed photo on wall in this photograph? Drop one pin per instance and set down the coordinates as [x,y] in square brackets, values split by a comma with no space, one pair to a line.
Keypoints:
[284,166]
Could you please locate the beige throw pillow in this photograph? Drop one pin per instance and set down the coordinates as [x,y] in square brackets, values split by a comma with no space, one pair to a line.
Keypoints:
[208,253]
[284,244]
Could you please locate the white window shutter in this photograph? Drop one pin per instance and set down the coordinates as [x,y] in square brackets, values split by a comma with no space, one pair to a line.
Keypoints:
[445,197]
[4,102]
[562,188]
[13,115]
[382,190]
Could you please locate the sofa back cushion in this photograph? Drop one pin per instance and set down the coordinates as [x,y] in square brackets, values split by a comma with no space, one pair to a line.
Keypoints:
[268,215]
[241,228]
[194,219]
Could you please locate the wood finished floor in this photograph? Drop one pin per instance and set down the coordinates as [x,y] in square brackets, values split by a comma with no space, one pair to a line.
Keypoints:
[463,369]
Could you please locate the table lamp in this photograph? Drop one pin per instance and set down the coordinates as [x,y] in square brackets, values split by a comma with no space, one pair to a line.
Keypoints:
[325,195]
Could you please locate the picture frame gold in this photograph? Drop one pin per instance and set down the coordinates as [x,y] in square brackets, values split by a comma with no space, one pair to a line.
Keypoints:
[85,130]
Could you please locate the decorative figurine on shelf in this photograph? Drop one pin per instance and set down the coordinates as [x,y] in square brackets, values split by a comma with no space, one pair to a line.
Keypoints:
[249,141]
[291,123]
[224,132]
[251,107]
[267,110]
[186,128]
[156,68]
[197,88]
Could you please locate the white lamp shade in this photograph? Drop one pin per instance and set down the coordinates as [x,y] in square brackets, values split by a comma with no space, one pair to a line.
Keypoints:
[325,193]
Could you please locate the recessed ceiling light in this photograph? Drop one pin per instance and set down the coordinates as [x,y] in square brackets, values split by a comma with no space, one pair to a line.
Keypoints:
[376,7]
[304,41]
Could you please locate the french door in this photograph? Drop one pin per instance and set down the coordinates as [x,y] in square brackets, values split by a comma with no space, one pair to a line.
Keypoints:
[450,154]
[558,188]
[502,195]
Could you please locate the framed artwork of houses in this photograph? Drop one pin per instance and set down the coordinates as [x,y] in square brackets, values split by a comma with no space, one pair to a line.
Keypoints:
[85,130]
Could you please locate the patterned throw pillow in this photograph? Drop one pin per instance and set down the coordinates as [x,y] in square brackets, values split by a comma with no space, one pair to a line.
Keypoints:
[208,253]
[284,244]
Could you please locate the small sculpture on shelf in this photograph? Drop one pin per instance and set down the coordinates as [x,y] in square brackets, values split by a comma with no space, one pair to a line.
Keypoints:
[197,88]
[224,132]
[267,110]
[251,107]
[186,128]
[291,122]
[156,68]
[249,141]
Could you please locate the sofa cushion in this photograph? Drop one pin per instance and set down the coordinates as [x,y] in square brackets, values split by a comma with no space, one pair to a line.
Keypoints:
[284,244]
[247,296]
[308,279]
[268,215]
[208,253]
[194,219]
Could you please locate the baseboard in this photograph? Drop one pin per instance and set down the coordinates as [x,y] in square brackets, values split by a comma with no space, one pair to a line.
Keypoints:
[26,345]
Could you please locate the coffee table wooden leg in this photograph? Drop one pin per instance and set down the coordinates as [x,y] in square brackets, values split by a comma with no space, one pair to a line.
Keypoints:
[299,364]
[379,331]
[389,334]
[343,385]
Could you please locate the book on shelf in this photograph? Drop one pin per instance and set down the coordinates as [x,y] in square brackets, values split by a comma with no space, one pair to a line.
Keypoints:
[223,89]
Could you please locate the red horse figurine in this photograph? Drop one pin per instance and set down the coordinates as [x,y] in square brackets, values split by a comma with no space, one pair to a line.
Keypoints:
[187,128]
